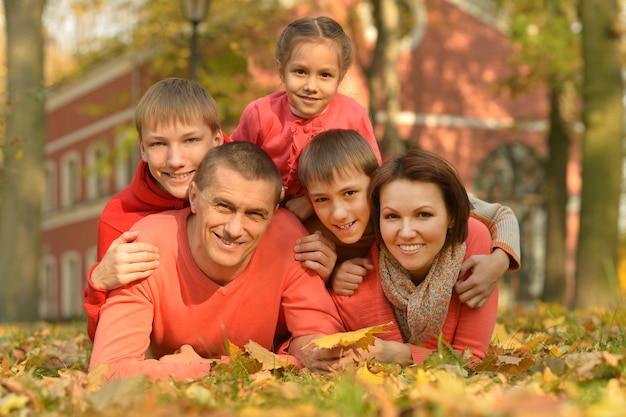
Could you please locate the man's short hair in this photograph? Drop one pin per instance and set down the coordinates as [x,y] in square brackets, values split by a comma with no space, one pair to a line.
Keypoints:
[244,157]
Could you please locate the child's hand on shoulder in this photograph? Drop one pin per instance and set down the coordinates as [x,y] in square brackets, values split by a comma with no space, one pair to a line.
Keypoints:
[301,207]
[318,253]
[349,275]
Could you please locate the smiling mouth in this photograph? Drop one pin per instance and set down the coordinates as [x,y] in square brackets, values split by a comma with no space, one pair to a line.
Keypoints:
[227,242]
[345,226]
[411,248]
[179,176]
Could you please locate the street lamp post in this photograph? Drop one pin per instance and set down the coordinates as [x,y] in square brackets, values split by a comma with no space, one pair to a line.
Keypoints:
[195,12]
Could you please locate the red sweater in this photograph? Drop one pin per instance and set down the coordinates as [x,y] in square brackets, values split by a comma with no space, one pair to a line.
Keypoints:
[269,123]
[464,327]
[274,298]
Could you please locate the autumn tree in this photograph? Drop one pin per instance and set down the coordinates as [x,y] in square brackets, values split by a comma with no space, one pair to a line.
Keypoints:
[602,154]
[546,54]
[22,180]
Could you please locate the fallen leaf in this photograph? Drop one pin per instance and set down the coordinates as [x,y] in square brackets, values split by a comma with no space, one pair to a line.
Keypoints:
[267,359]
[364,338]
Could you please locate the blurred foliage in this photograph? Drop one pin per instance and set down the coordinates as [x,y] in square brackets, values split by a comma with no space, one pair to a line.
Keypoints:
[545,35]
[234,43]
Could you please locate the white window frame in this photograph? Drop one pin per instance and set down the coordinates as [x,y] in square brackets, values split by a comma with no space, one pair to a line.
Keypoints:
[72,286]
[71,179]
[47,305]
[97,178]
[50,187]
[127,158]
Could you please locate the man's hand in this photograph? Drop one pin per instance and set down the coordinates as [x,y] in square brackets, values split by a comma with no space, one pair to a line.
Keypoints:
[185,354]
[486,271]
[300,206]
[317,253]
[349,275]
[125,261]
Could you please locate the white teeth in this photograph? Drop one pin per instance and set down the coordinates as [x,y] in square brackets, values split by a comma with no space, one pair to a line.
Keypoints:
[178,176]
[228,242]
[410,247]
[345,226]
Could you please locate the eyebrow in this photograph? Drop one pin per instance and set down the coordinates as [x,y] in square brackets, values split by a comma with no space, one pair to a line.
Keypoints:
[216,200]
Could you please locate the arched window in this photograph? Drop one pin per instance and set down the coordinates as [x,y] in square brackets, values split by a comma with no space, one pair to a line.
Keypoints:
[513,175]
[50,188]
[70,179]
[71,285]
[47,305]
[127,156]
[98,170]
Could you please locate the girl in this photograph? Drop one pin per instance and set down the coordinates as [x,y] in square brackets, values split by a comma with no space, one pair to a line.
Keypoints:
[313,56]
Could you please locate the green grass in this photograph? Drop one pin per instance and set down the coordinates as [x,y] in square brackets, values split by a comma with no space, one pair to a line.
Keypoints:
[548,362]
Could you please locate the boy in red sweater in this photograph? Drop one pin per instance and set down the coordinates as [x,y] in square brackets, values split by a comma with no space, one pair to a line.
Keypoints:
[177,123]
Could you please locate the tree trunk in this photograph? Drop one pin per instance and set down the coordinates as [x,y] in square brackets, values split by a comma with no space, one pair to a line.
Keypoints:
[596,259]
[385,65]
[391,142]
[555,285]
[23,161]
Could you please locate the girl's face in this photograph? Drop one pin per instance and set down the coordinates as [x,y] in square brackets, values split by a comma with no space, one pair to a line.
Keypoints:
[342,205]
[413,224]
[174,151]
[311,76]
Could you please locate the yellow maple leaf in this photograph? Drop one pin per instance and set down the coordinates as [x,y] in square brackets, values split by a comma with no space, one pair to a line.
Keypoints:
[364,338]
[267,359]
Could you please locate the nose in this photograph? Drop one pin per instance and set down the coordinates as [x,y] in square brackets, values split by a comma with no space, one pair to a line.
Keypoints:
[310,85]
[339,211]
[175,156]
[233,227]
[407,229]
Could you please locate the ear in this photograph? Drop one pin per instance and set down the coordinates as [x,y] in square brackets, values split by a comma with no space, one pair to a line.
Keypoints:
[142,150]
[282,193]
[281,70]
[194,194]
[219,138]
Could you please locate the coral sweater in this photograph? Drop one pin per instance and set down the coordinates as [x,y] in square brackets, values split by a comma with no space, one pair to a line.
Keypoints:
[269,122]
[274,298]
[464,327]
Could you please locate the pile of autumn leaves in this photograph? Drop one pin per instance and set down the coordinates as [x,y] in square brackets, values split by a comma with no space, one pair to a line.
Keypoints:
[544,361]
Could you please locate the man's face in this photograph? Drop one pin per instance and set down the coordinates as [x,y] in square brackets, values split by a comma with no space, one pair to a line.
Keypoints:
[174,151]
[341,205]
[231,216]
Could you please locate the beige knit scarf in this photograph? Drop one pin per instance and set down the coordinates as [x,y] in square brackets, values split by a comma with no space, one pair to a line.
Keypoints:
[421,310]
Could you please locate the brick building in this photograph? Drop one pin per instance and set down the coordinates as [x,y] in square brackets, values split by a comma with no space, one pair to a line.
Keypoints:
[448,69]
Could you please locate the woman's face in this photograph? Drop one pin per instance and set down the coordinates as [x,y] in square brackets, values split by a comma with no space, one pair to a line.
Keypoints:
[414,222]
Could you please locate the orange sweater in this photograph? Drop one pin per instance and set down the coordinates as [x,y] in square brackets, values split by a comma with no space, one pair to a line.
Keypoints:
[272,299]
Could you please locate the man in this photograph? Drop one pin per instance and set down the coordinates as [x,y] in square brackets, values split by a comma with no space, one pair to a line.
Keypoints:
[227,273]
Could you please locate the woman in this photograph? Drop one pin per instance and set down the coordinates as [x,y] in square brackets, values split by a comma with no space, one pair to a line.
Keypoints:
[420,212]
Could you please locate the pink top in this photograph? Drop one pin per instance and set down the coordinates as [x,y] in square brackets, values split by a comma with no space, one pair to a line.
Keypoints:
[272,299]
[464,327]
[269,122]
